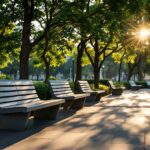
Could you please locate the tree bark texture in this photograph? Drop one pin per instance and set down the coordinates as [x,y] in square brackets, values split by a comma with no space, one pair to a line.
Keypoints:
[81,48]
[26,45]
[130,70]
[119,72]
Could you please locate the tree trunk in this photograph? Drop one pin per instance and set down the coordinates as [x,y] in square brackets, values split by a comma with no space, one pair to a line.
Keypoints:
[119,72]
[46,59]
[130,70]
[37,77]
[139,70]
[96,77]
[81,47]
[47,68]
[96,65]
[24,60]
[26,45]
[129,75]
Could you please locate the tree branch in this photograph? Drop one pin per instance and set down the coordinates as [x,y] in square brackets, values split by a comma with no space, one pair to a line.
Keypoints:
[90,58]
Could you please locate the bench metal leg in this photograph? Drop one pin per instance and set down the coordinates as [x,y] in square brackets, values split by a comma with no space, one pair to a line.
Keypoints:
[47,113]
[78,104]
[14,121]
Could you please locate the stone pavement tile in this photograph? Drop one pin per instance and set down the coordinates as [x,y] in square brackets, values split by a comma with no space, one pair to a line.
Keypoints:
[135,124]
[31,144]
[129,98]
[101,139]
[10,137]
[124,146]
[128,139]
[89,110]
[147,147]
[115,136]
[147,138]
[91,143]
[76,127]
[66,141]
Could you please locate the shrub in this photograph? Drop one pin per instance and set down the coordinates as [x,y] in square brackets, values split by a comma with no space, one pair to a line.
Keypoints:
[4,76]
[71,83]
[52,78]
[42,89]
[121,84]
[101,87]
[143,83]
[105,82]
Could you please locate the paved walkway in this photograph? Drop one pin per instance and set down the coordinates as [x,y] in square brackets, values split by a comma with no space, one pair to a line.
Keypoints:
[116,123]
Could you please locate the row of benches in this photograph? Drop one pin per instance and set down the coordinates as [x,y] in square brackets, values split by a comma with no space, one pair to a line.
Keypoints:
[19,100]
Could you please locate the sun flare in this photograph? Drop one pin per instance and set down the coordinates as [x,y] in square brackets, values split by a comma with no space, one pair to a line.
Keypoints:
[139,35]
[144,33]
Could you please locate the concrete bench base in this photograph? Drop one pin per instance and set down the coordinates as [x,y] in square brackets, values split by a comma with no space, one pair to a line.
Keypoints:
[47,113]
[117,91]
[14,121]
[79,104]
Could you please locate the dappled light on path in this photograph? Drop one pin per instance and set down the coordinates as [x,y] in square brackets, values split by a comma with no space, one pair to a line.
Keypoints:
[115,123]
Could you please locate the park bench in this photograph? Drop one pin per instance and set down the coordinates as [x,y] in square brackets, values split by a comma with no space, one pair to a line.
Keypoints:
[134,86]
[148,84]
[61,89]
[115,90]
[18,100]
[84,87]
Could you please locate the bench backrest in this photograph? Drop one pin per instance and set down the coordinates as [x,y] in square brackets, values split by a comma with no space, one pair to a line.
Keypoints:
[111,84]
[60,88]
[17,92]
[84,86]
[132,83]
[148,82]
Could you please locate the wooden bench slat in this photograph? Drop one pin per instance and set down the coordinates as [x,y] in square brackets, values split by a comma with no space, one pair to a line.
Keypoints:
[62,89]
[7,83]
[33,96]
[23,82]
[58,86]
[85,86]
[8,88]
[9,99]
[7,94]
[26,92]
[61,92]
[25,87]
[59,83]
[62,83]
[17,102]
[31,106]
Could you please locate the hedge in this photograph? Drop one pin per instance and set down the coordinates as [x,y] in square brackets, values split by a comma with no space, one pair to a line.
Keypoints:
[42,89]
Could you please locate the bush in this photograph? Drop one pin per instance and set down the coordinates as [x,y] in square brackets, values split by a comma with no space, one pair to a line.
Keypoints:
[42,89]
[4,76]
[71,83]
[105,82]
[52,78]
[143,83]
[101,87]
[121,84]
